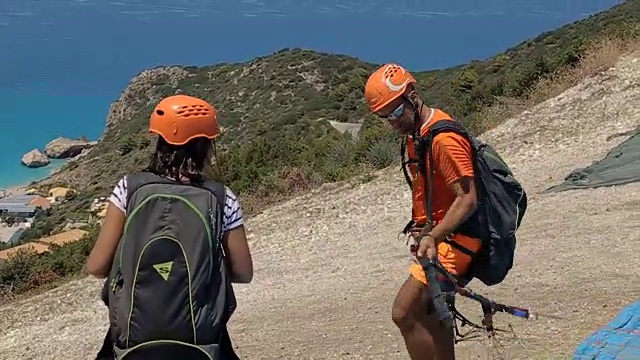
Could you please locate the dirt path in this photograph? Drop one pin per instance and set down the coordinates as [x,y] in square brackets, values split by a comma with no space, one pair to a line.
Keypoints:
[328,264]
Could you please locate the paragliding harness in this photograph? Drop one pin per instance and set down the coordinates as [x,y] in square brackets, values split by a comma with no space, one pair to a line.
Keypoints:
[501,206]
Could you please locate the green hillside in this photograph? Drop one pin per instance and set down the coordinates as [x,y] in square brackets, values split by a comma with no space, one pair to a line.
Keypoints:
[275,111]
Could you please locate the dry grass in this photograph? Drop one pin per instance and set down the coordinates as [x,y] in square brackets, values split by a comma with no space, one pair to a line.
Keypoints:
[600,55]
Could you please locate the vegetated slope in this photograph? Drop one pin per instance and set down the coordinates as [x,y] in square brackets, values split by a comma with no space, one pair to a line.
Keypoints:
[328,264]
[276,112]
[281,104]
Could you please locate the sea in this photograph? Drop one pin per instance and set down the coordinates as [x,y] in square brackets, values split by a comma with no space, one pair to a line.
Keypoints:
[62,62]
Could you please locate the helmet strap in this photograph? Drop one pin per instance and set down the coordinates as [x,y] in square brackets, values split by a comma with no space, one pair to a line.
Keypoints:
[417,115]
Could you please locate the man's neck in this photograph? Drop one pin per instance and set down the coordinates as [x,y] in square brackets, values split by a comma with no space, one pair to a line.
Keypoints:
[425,115]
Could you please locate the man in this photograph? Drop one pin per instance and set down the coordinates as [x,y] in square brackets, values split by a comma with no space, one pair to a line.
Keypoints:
[391,94]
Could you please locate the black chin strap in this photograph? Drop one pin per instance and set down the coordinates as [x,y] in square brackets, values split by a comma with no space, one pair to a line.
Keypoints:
[417,115]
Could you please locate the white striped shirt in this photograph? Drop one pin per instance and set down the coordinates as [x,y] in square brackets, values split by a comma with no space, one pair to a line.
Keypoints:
[231,218]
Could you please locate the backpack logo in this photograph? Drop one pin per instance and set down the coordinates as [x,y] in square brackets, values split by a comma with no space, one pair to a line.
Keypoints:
[164,269]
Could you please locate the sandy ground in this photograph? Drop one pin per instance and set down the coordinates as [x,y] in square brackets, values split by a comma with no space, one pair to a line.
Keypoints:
[13,190]
[328,264]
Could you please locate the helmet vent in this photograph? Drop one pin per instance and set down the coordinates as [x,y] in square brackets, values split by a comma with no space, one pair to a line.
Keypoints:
[193,110]
[160,112]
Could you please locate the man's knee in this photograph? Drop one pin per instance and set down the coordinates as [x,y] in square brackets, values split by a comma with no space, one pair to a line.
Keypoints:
[405,312]
[402,317]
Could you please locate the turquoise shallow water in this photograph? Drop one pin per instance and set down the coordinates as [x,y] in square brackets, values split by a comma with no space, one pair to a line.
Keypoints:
[63,62]
[32,119]
[24,176]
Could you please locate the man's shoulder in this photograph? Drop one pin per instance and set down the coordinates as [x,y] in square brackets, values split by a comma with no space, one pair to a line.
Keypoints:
[440,114]
[450,140]
[435,117]
[447,135]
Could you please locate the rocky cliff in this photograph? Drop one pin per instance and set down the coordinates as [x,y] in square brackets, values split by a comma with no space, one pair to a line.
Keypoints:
[63,148]
[143,90]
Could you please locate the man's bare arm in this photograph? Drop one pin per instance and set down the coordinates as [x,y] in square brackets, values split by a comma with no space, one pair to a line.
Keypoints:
[462,207]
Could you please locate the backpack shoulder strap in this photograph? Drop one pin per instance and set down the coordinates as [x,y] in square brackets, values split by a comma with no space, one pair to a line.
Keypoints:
[423,145]
[219,191]
[451,125]
[406,161]
[139,179]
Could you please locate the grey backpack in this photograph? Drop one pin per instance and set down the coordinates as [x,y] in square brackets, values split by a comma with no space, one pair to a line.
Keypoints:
[170,293]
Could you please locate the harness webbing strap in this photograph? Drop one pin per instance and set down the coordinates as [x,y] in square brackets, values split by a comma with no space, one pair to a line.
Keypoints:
[406,161]
[460,247]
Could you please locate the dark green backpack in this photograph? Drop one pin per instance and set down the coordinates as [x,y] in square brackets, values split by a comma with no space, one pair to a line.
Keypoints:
[502,203]
[170,294]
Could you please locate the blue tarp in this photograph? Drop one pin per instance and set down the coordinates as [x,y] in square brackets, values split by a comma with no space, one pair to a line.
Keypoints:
[618,340]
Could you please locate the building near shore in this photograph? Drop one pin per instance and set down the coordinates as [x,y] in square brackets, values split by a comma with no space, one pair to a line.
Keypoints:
[63,237]
[41,202]
[18,206]
[98,209]
[25,206]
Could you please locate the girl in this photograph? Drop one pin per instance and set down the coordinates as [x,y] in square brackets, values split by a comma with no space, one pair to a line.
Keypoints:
[186,127]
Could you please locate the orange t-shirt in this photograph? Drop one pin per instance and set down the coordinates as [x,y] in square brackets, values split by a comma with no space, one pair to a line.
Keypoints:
[452,155]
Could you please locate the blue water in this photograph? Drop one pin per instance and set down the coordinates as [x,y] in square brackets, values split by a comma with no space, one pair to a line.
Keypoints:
[33,118]
[62,62]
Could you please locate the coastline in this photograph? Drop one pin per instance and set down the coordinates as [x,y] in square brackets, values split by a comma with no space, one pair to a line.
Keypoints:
[20,187]
[13,191]
[19,175]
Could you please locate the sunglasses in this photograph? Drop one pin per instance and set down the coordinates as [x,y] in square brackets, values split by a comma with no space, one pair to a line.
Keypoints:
[395,114]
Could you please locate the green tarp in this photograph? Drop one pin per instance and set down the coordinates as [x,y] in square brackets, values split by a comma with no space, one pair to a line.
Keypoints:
[620,166]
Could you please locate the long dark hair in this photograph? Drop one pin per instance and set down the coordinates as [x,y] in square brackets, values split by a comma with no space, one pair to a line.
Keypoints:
[190,160]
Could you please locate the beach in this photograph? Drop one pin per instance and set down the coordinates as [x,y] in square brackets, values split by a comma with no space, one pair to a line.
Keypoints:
[13,191]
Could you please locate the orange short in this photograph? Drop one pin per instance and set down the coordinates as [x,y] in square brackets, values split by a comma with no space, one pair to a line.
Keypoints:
[453,260]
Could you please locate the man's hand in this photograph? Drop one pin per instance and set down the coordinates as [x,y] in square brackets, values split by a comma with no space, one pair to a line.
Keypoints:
[427,248]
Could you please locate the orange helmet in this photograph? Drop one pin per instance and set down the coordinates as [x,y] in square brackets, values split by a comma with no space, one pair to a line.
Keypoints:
[180,118]
[385,85]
